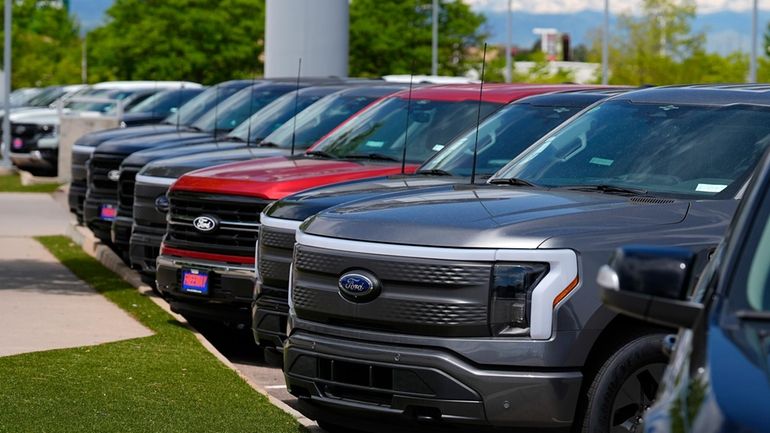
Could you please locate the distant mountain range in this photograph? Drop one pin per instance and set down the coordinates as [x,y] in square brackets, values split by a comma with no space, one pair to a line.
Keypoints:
[726,31]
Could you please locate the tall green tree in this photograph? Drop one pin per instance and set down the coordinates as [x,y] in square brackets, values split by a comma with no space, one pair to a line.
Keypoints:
[387,37]
[657,46]
[46,48]
[200,40]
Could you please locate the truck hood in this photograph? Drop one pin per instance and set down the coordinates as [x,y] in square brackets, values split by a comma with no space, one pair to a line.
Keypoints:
[127,146]
[489,216]
[39,116]
[139,159]
[176,167]
[96,138]
[277,177]
[305,204]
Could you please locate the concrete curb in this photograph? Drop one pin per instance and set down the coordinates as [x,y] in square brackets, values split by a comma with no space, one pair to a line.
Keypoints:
[93,247]
[28,179]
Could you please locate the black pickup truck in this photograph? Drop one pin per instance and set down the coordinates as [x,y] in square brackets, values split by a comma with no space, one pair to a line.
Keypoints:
[100,205]
[150,202]
[250,132]
[183,119]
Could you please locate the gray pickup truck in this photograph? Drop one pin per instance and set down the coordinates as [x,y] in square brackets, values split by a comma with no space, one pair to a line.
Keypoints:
[477,306]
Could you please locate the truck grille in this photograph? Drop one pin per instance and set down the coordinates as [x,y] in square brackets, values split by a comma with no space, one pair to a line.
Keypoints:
[126,190]
[275,251]
[238,223]
[418,296]
[99,166]
[29,133]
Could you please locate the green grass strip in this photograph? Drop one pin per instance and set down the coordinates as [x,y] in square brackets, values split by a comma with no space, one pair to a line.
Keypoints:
[164,383]
[12,183]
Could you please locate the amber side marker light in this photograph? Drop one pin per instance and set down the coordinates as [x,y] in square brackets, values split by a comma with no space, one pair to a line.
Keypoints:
[567,290]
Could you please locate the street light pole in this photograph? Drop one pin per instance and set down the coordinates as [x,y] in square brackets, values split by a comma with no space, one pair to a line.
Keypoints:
[434,44]
[753,64]
[6,161]
[606,43]
[509,25]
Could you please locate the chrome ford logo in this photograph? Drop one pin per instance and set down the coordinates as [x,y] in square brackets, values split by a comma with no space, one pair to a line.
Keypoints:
[113,175]
[161,204]
[359,286]
[205,223]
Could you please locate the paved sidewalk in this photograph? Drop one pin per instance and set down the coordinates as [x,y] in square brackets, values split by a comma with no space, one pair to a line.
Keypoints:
[43,306]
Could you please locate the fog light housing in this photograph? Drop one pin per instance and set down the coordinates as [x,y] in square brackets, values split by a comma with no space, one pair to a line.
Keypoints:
[511,289]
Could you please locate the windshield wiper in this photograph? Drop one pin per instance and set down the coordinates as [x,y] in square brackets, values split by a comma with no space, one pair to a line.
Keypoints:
[511,181]
[608,189]
[195,128]
[267,144]
[320,154]
[372,156]
[235,138]
[435,172]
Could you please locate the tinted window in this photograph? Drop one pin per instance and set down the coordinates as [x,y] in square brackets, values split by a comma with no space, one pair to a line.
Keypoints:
[201,104]
[270,118]
[230,113]
[164,103]
[382,130]
[679,150]
[318,119]
[501,138]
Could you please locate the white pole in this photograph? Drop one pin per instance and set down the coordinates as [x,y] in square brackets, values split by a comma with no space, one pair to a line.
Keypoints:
[606,43]
[753,64]
[84,61]
[6,162]
[434,45]
[509,26]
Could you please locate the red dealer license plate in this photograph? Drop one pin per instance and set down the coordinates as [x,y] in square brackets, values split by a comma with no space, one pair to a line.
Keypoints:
[108,212]
[195,281]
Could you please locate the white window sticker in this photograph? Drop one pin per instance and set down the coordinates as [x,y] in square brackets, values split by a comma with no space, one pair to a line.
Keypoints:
[601,161]
[377,144]
[710,187]
[438,147]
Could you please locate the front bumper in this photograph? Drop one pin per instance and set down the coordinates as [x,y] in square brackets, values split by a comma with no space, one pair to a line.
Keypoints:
[268,317]
[36,159]
[367,385]
[231,289]
[92,206]
[144,248]
[120,232]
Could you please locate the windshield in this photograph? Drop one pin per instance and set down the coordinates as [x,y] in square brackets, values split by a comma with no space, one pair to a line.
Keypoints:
[318,120]
[103,107]
[201,104]
[502,137]
[164,103]
[382,129]
[684,151]
[47,97]
[270,118]
[235,110]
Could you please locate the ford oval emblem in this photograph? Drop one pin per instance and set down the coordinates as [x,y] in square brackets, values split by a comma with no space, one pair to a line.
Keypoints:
[113,175]
[359,286]
[205,223]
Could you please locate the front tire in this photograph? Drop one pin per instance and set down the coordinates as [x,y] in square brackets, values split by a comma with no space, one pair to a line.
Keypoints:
[624,387]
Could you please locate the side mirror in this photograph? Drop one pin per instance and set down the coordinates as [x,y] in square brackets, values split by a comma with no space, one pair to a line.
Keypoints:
[651,284]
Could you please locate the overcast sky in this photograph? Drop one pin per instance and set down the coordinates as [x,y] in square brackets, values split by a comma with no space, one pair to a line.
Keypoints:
[564,6]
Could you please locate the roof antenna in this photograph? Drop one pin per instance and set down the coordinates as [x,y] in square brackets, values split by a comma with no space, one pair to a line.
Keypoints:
[406,129]
[478,116]
[178,106]
[296,105]
[251,107]
[216,117]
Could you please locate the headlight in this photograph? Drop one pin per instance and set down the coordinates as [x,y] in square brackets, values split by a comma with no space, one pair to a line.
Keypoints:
[512,285]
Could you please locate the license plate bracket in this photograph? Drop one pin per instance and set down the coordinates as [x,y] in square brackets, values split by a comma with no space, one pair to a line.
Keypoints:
[195,281]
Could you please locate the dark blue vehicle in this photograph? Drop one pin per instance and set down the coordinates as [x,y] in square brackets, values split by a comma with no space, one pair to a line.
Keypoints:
[718,380]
